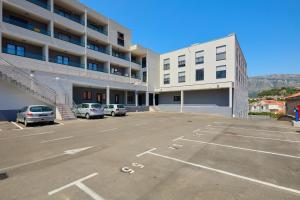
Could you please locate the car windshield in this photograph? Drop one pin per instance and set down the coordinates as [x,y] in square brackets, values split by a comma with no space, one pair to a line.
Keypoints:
[40,109]
[96,105]
[121,106]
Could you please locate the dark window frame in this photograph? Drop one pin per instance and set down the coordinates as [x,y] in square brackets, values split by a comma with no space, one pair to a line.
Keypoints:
[199,77]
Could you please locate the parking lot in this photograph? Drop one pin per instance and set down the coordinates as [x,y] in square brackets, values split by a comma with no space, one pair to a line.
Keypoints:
[151,156]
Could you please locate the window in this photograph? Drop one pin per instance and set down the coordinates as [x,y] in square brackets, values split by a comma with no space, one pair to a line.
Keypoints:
[167,64]
[199,74]
[176,98]
[221,72]
[181,61]
[87,95]
[166,78]
[199,57]
[62,60]
[144,76]
[15,50]
[181,77]
[144,62]
[221,53]
[121,39]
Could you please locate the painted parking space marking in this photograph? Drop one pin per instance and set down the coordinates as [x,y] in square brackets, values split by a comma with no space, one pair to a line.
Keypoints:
[56,139]
[279,187]
[108,130]
[78,183]
[67,152]
[17,125]
[239,148]
[250,129]
[28,135]
[247,136]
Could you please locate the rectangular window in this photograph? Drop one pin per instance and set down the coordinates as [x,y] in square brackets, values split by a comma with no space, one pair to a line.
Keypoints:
[199,57]
[145,77]
[221,72]
[167,64]
[20,51]
[177,98]
[221,53]
[199,74]
[144,62]
[121,41]
[181,77]
[15,50]
[11,49]
[166,78]
[87,95]
[181,61]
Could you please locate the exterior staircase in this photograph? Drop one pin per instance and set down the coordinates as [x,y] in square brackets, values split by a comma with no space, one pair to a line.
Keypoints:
[27,83]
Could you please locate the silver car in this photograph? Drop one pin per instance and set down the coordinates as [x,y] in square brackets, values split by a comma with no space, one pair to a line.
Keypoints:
[34,114]
[115,109]
[89,110]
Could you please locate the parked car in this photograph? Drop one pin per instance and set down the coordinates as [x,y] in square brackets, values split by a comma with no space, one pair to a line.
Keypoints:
[34,114]
[89,110]
[115,109]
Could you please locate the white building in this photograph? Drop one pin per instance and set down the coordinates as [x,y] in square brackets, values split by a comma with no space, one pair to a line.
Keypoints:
[60,52]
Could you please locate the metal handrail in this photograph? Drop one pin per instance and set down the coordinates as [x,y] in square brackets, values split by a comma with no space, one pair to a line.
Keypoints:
[19,75]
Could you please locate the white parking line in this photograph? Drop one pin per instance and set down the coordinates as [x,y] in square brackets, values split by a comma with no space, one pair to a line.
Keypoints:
[250,129]
[224,172]
[28,135]
[248,136]
[17,125]
[197,130]
[240,148]
[108,130]
[81,186]
[57,139]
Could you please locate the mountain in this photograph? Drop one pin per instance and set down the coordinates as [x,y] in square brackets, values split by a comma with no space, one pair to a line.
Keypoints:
[260,83]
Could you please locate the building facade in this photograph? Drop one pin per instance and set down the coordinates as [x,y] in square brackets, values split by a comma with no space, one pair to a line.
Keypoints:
[292,103]
[272,106]
[209,77]
[62,53]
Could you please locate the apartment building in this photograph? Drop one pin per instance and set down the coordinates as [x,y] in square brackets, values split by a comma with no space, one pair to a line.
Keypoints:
[210,77]
[68,53]
[61,53]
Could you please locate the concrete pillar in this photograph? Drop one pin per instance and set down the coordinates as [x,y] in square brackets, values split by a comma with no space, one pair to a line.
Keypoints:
[1,5]
[147,98]
[107,95]
[51,3]
[136,98]
[230,97]
[154,103]
[181,100]
[126,97]
[52,29]
[46,53]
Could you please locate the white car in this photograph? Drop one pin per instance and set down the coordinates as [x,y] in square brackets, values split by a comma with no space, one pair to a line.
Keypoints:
[89,110]
[115,109]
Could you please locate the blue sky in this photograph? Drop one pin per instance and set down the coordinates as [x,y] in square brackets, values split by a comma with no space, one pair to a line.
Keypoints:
[268,30]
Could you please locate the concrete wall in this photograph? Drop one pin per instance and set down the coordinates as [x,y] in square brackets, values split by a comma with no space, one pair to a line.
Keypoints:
[207,97]
[13,99]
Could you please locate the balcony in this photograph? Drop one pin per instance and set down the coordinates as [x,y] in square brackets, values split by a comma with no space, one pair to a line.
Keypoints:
[68,15]
[41,3]
[120,55]
[94,66]
[25,24]
[97,28]
[99,48]
[68,63]
[23,54]
[68,38]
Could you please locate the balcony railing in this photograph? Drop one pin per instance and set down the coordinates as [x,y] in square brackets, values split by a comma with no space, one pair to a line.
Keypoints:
[69,16]
[28,26]
[136,62]
[102,50]
[70,63]
[98,29]
[40,3]
[25,54]
[68,39]
[120,56]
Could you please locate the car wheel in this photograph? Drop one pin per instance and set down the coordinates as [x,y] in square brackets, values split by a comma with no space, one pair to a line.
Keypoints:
[25,122]
[51,123]
[87,116]
[102,116]
[113,114]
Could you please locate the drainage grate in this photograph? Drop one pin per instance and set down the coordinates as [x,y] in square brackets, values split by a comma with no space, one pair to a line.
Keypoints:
[3,176]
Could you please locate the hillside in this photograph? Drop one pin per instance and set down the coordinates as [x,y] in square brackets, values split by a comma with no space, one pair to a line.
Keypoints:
[260,83]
